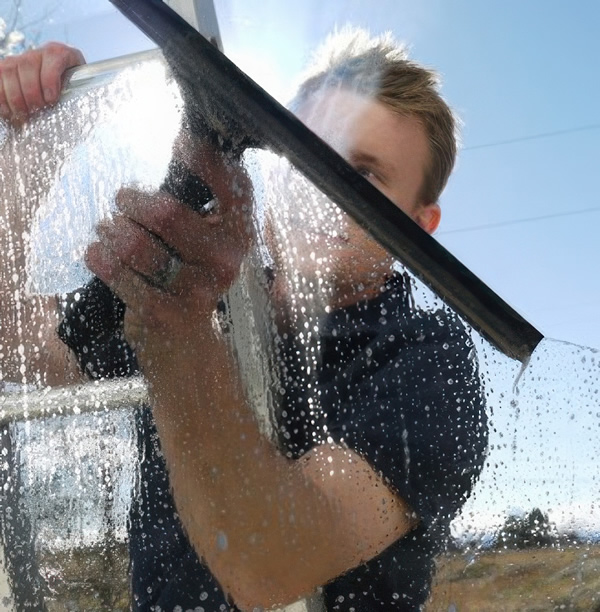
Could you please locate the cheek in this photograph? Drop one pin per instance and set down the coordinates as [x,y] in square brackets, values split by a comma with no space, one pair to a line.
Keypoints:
[366,246]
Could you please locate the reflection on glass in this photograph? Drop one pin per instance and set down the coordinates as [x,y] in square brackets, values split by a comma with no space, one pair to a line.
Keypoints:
[352,369]
[76,478]
[68,480]
[528,536]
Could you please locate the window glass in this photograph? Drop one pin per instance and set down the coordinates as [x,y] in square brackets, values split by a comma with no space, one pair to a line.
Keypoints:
[325,377]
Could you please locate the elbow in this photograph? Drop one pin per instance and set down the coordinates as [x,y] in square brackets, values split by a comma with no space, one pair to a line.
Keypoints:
[260,593]
[256,586]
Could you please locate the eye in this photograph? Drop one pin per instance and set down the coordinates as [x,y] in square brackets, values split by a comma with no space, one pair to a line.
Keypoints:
[366,172]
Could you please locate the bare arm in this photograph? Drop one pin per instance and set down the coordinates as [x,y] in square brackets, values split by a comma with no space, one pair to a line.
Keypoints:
[251,513]
[31,351]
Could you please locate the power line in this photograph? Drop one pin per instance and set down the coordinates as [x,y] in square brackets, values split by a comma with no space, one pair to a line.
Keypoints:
[475,228]
[583,128]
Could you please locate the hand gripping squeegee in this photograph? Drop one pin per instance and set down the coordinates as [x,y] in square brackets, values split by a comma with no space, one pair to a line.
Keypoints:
[229,104]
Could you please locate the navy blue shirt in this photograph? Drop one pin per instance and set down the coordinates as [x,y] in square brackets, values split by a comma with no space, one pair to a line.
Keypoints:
[396,384]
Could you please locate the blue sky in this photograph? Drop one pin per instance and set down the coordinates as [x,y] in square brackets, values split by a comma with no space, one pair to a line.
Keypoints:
[522,207]
[522,215]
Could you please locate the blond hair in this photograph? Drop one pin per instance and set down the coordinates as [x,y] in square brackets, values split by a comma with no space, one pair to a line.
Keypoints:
[379,67]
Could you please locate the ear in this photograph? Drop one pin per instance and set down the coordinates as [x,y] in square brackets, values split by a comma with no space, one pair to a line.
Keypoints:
[428,217]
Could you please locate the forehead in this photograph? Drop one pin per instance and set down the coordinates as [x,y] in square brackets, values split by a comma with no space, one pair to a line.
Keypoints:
[361,128]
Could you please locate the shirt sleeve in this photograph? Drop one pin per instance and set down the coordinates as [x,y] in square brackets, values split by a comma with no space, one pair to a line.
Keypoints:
[92,327]
[411,403]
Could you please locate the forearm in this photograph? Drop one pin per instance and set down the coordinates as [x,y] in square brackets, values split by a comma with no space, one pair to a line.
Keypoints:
[249,511]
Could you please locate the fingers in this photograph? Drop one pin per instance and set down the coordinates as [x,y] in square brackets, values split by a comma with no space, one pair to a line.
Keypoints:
[136,248]
[143,238]
[227,179]
[34,79]
[196,237]
[152,229]
[13,105]
[160,256]
[151,304]
[56,60]
[179,227]
[27,87]
[139,296]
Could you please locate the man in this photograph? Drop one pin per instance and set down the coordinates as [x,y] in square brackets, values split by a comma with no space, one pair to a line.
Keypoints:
[380,429]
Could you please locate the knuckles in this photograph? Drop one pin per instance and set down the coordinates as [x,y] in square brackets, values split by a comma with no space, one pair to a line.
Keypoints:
[30,60]
[8,67]
[212,248]
[61,55]
[56,50]
[163,215]
[56,57]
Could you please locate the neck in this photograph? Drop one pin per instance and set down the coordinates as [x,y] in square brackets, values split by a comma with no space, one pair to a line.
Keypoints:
[288,305]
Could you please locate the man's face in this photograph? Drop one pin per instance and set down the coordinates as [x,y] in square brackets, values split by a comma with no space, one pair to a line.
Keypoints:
[392,152]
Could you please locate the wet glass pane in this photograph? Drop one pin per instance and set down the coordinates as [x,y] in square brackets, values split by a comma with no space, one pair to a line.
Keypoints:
[70,455]
[335,434]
